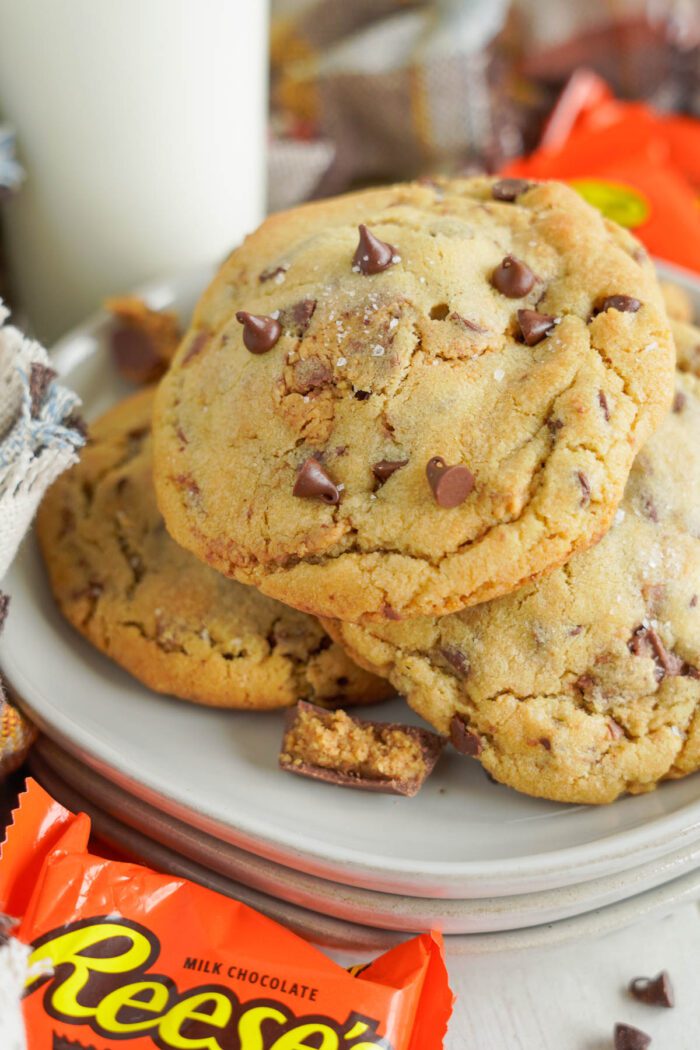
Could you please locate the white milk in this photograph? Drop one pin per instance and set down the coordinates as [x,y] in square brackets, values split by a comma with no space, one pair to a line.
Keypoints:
[142,126]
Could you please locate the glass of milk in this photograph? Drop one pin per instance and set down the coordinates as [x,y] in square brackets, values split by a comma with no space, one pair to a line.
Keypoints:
[142,127]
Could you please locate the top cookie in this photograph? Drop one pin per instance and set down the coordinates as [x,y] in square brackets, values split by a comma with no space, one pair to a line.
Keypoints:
[417,418]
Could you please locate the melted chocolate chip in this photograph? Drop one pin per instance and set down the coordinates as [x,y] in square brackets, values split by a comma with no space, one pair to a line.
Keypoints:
[312,482]
[269,275]
[196,346]
[296,319]
[386,467]
[603,402]
[311,373]
[509,189]
[585,488]
[656,991]
[462,738]
[372,255]
[629,1038]
[362,395]
[554,426]
[646,642]
[546,743]
[625,304]
[534,326]
[513,278]
[259,333]
[135,354]
[450,485]
[693,601]
[679,402]
[40,378]
[456,659]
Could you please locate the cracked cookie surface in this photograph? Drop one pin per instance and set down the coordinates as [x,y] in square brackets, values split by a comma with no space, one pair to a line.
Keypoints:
[586,684]
[521,345]
[174,623]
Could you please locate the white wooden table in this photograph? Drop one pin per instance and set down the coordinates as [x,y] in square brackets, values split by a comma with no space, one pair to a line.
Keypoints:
[569,997]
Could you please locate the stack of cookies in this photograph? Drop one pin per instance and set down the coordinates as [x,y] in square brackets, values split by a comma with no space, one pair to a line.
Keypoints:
[432,439]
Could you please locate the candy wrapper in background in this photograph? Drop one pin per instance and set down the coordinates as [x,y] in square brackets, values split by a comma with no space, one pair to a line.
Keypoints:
[124,955]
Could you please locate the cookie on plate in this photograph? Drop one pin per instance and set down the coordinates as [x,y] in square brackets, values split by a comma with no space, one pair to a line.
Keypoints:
[585,684]
[411,399]
[687,339]
[174,623]
[679,305]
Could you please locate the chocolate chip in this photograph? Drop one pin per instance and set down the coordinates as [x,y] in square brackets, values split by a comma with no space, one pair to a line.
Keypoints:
[509,189]
[311,373]
[450,485]
[626,304]
[534,326]
[383,469]
[456,659]
[372,255]
[646,642]
[679,401]
[554,426]
[546,743]
[389,613]
[603,402]
[197,344]
[462,738]
[313,483]
[259,333]
[629,1038]
[693,601]
[4,606]
[513,278]
[656,991]
[585,488]
[40,378]
[295,319]
[362,395]
[648,508]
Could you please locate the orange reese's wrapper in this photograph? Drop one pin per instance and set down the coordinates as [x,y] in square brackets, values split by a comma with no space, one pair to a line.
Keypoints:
[125,956]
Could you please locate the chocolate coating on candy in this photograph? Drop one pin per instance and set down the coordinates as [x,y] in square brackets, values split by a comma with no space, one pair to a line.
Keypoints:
[656,991]
[386,467]
[372,255]
[509,189]
[462,738]
[450,485]
[259,333]
[313,483]
[534,326]
[625,304]
[513,278]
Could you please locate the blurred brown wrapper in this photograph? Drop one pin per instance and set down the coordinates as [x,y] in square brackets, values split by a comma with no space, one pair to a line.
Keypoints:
[380,90]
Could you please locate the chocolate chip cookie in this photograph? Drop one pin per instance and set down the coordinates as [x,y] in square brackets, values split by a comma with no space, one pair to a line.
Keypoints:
[174,623]
[409,400]
[586,684]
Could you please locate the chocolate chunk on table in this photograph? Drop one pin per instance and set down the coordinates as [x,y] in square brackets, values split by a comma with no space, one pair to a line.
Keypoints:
[352,752]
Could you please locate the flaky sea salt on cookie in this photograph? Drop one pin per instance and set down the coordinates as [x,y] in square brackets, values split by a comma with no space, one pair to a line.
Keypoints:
[586,684]
[409,400]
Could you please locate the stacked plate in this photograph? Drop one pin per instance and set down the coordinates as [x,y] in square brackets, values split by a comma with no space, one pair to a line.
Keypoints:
[198,791]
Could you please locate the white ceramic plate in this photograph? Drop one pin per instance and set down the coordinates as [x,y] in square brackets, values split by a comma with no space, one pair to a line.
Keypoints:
[389,911]
[341,934]
[461,837]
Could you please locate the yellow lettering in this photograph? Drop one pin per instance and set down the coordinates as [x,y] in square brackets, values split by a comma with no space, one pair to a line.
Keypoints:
[250,1023]
[107,1013]
[68,948]
[170,1027]
[296,1038]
